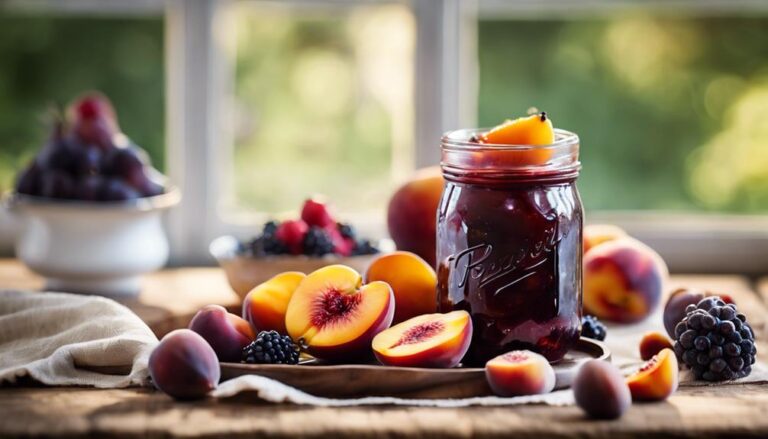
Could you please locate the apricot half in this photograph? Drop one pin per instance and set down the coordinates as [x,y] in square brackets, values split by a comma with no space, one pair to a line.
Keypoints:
[657,379]
[264,307]
[534,130]
[520,373]
[413,282]
[335,316]
[431,340]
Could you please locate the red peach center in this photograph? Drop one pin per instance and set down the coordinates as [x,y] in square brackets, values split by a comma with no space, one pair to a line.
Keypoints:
[333,306]
[650,363]
[420,333]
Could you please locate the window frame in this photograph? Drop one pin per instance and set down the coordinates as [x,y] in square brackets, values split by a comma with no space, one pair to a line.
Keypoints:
[198,79]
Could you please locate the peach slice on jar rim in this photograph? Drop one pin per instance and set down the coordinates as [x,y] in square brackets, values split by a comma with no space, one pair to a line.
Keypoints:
[430,340]
[533,130]
[335,316]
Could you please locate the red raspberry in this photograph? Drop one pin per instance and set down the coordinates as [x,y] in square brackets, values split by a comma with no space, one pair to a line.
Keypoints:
[291,233]
[315,213]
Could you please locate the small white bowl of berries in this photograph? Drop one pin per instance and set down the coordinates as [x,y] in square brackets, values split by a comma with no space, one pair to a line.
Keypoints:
[90,206]
[312,241]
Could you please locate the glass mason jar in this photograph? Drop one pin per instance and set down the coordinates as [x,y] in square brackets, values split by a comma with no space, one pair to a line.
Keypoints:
[509,243]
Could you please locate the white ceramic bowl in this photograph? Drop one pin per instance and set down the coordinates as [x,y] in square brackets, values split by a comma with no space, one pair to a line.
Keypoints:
[90,247]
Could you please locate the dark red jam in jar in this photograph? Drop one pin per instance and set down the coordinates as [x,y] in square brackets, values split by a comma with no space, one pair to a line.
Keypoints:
[509,243]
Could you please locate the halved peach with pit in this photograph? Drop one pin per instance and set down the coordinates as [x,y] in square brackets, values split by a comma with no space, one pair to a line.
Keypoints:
[656,379]
[430,340]
[413,282]
[335,316]
[264,307]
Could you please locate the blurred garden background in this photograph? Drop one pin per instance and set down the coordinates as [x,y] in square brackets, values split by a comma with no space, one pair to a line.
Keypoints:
[671,109]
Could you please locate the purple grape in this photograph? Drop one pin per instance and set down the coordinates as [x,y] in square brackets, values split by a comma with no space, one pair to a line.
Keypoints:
[28,181]
[56,184]
[150,182]
[58,156]
[89,188]
[117,190]
[87,160]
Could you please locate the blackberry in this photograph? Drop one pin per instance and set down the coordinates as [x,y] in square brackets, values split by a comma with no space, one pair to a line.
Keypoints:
[271,348]
[364,247]
[715,341]
[270,227]
[346,230]
[317,242]
[593,328]
[271,245]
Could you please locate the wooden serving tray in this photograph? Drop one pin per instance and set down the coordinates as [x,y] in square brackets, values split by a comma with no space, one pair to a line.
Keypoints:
[359,380]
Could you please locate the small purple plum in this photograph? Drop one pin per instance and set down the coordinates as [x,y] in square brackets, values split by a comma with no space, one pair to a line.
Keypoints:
[600,390]
[184,365]
[227,333]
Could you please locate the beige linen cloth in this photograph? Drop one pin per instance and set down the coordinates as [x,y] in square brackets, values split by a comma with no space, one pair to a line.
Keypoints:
[58,339]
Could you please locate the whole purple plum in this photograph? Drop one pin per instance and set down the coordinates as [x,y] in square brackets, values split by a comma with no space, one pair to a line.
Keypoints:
[184,365]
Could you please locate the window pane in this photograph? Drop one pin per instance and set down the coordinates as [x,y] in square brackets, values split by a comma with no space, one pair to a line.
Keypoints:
[51,59]
[671,111]
[322,103]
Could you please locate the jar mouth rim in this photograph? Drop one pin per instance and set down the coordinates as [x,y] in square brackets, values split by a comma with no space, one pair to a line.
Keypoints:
[461,139]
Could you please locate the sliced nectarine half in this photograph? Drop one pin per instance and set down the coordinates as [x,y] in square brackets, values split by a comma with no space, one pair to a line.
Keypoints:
[335,316]
[430,340]
[519,373]
[413,282]
[264,307]
[656,379]
[534,130]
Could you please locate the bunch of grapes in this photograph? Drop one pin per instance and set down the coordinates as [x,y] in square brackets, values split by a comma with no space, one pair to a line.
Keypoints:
[89,159]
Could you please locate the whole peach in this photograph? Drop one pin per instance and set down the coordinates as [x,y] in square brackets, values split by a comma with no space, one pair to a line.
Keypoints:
[595,234]
[184,365]
[623,280]
[227,333]
[412,213]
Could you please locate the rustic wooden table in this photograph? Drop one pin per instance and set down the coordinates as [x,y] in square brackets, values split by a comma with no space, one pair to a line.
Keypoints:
[171,297]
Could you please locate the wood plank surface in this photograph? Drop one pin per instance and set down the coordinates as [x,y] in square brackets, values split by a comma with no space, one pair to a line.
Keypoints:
[737,411]
[171,297]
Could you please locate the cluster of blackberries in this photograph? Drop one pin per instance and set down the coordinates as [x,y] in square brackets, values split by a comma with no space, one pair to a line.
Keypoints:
[271,348]
[592,328]
[715,341]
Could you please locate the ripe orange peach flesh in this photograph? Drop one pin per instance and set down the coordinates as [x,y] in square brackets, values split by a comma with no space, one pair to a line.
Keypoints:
[534,130]
[413,282]
[264,307]
[336,316]
[656,379]
[430,340]
[519,373]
